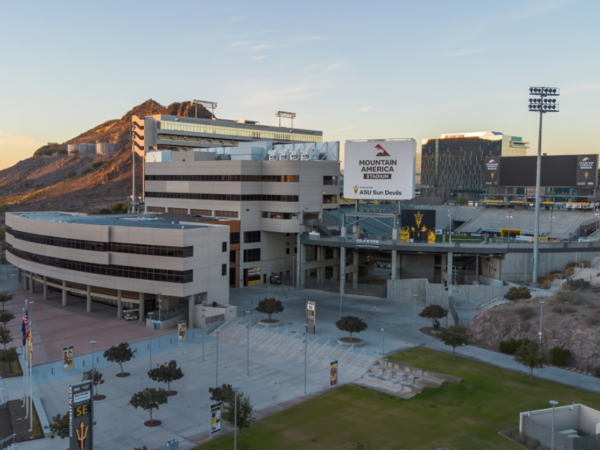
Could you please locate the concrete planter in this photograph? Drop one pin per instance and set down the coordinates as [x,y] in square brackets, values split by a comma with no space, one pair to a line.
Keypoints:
[273,323]
[349,342]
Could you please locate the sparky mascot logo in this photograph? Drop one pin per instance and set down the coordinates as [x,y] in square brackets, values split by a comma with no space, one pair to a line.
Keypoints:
[382,152]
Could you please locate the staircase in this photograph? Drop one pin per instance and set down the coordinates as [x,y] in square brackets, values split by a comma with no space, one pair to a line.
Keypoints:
[402,380]
[288,344]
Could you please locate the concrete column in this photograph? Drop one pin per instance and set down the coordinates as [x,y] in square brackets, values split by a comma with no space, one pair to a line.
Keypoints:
[394,264]
[64,293]
[298,261]
[24,280]
[302,265]
[190,323]
[45,287]
[477,267]
[336,269]
[119,304]
[18,275]
[31,283]
[355,274]
[142,306]
[89,298]
[343,268]
[449,270]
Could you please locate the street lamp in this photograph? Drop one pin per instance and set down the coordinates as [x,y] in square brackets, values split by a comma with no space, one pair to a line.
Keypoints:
[383,342]
[93,412]
[269,280]
[450,232]
[553,403]
[540,104]
[150,315]
[542,303]
[235,389]
[203,331]
[415,322]
[509,217]
[217,364]
[248,342]
[294,271]
[159,322]
[342,282]
[305,355]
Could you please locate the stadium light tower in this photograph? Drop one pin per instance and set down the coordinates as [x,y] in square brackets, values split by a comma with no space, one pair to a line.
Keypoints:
[206,104]
[542,104]
[286,114]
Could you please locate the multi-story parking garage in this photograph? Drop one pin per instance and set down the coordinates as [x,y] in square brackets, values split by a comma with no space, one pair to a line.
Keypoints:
[122,260]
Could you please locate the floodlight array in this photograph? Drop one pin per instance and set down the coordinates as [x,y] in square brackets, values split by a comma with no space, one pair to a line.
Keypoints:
[544,91]
[544,105]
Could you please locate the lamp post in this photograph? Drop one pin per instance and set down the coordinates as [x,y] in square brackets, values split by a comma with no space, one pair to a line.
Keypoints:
[509,217]
[150,315]
[248,342]
[294,271]
[342,282]
[235,389]
[159,322]
[542,303]
[93,368]
[553,403]
[382,342]
[450,232]
[305,355]
[217,364]
[203,331]
[269,280]
[12,285]
[415,322]
[540,104]
[597,224]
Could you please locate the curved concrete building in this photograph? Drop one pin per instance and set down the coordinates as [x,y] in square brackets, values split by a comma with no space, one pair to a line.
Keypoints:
[122,260]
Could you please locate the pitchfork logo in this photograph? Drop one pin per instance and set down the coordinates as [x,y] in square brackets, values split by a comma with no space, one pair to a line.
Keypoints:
[382,152]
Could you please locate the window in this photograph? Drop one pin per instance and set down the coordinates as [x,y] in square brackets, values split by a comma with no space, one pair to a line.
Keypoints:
[287,251]
[226,213]
[330,180]
[234,238]
[251,236]
[224,197]
[295,249]
[232,256]
[279,215]
[330,199]
[223,269]
[155,209]
[178,210]
[201,212]
[252,255]
[224,247]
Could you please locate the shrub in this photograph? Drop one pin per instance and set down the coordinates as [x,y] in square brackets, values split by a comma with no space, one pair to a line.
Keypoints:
[510,347]
[597,372]
[532,443]
[525,312]
[576,285]
[86,171]
[70,174]
[117,207]
[559,356]
[563,309]
[518,293]
[96,164]
[105,211]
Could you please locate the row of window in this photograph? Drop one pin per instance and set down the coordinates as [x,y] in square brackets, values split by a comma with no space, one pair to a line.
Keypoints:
[279,215]
[269,178]
[330,180]
[252,255]
[225,197]
[234,238]
[251,236]
[137,249]
[141,273]
[234,131]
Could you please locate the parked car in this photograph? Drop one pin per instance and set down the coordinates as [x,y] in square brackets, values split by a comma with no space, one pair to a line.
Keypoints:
[275,279]
[131,314]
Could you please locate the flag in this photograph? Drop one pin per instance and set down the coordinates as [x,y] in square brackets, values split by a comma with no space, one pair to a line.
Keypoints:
[25,328]
[30,349]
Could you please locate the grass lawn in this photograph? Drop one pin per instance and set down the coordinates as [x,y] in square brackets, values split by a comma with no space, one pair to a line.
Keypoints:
[461,416]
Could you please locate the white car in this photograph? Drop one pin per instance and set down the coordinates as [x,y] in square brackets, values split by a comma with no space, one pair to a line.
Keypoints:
[133,314]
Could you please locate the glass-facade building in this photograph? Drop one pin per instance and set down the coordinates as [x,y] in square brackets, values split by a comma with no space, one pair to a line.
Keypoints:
[452,165]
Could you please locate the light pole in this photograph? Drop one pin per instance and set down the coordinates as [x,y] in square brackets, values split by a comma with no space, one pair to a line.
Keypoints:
[217,364]
[93,368]
[294,271]
[159,322]
[553,403]
[150,315]
[383,342]
[203,331]
[12,285]
[450,232]
[541,104]
[235,389]
[342,282]
[269,280]
[415,322]
[509,217]
[542,303]
[248,348]
[305,355]
[597,226]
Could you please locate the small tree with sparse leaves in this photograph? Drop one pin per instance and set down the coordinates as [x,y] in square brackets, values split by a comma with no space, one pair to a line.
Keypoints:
[433,312]
[529,355]
[351,324]
[166,373]
[149,400]
[87,376]
[5,317]
[60,426]
[222,393]
[245,413]
[455,336]
[5,337]
[4,298]
[269,306]
[120,354]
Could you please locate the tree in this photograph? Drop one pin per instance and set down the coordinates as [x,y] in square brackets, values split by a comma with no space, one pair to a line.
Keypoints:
[5,297]
[166,373]
[5,317]
[5,337]
[87,376]
[351,324]
[221,394]
[245,413]
[70,174]
[462,200]
[455,336]
[529,355]
[120,354]
[434,312]
[270,306]
[60,426]
[149,400]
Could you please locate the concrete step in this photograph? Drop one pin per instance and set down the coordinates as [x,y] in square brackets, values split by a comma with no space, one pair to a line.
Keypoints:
[392,383]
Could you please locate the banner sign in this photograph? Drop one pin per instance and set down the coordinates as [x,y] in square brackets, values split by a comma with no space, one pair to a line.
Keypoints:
[311,316]
[80,417]
[215,418]
[367,243]
[417,224]
[491,168]
[587,171]
[181,328]
[253,275]
[333,374]
[68,358]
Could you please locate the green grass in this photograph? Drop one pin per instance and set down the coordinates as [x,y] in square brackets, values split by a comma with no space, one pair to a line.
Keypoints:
[465,416]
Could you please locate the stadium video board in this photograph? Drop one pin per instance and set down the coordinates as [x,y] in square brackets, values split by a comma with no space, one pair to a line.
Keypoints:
[380,169]
[557,170]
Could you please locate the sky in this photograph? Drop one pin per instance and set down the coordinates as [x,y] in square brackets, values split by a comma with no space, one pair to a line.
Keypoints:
[353,69]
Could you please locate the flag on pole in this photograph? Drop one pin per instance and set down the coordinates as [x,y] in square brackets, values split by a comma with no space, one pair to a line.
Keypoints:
[25,328]
[30,348]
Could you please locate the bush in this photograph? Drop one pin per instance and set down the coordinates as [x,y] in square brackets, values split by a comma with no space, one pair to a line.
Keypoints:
[70,174]
[96,164]
[510,347]
[105,211]
[559,356]
[532,443]
[576,285]
[118,207]
[597,372]
[525,312]
[518,293]
[563,309]
[86,171]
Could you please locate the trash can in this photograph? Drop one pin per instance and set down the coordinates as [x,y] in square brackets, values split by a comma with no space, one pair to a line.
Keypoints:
[173,444]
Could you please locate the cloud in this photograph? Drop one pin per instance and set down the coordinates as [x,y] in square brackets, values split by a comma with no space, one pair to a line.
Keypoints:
[239,43]
[268,93]
[541,9]
[336,65]
[343,129]
[257,58]
[464,52]
[364,108]
[236,19]
[577,89]
[263,47]
[18,141]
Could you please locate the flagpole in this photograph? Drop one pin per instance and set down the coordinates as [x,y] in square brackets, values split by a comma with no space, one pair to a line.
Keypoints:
[26,356]
[24,363]
[31,370]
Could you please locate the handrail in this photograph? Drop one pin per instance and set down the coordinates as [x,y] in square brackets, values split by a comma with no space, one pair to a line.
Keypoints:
[6,439]
[321,349]
[344,355]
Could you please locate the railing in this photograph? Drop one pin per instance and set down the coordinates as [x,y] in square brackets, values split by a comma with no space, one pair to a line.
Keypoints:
[6,439]
[373,290]
[215,322]
[452,309]
[489,303]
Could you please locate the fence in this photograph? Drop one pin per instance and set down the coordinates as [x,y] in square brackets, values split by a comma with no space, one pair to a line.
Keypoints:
[372,290]
[543,434]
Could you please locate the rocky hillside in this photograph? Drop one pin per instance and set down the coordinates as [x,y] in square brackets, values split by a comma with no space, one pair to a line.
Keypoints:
[567,326]
[53,180]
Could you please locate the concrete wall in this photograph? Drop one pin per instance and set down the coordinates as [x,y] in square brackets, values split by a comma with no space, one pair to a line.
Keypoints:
[517,267]
[417,266]
[575,417]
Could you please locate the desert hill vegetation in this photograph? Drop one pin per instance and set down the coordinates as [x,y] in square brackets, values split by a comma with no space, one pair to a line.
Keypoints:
[52,180]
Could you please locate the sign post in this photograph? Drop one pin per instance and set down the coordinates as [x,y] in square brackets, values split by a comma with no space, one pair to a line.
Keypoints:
[333,374]
[215,418]
[81,428]
[181,330]
[311,310]
[68,358]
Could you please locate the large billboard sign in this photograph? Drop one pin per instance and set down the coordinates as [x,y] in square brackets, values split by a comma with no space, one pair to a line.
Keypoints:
[418,225]
[380,169]
[215,425]
[491,171]
[587,171]
[81,431]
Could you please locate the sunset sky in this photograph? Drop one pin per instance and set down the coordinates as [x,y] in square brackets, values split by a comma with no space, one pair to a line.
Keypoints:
[379,69]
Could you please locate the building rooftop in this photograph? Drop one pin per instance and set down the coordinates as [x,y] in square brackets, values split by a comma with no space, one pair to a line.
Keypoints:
[120,220]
